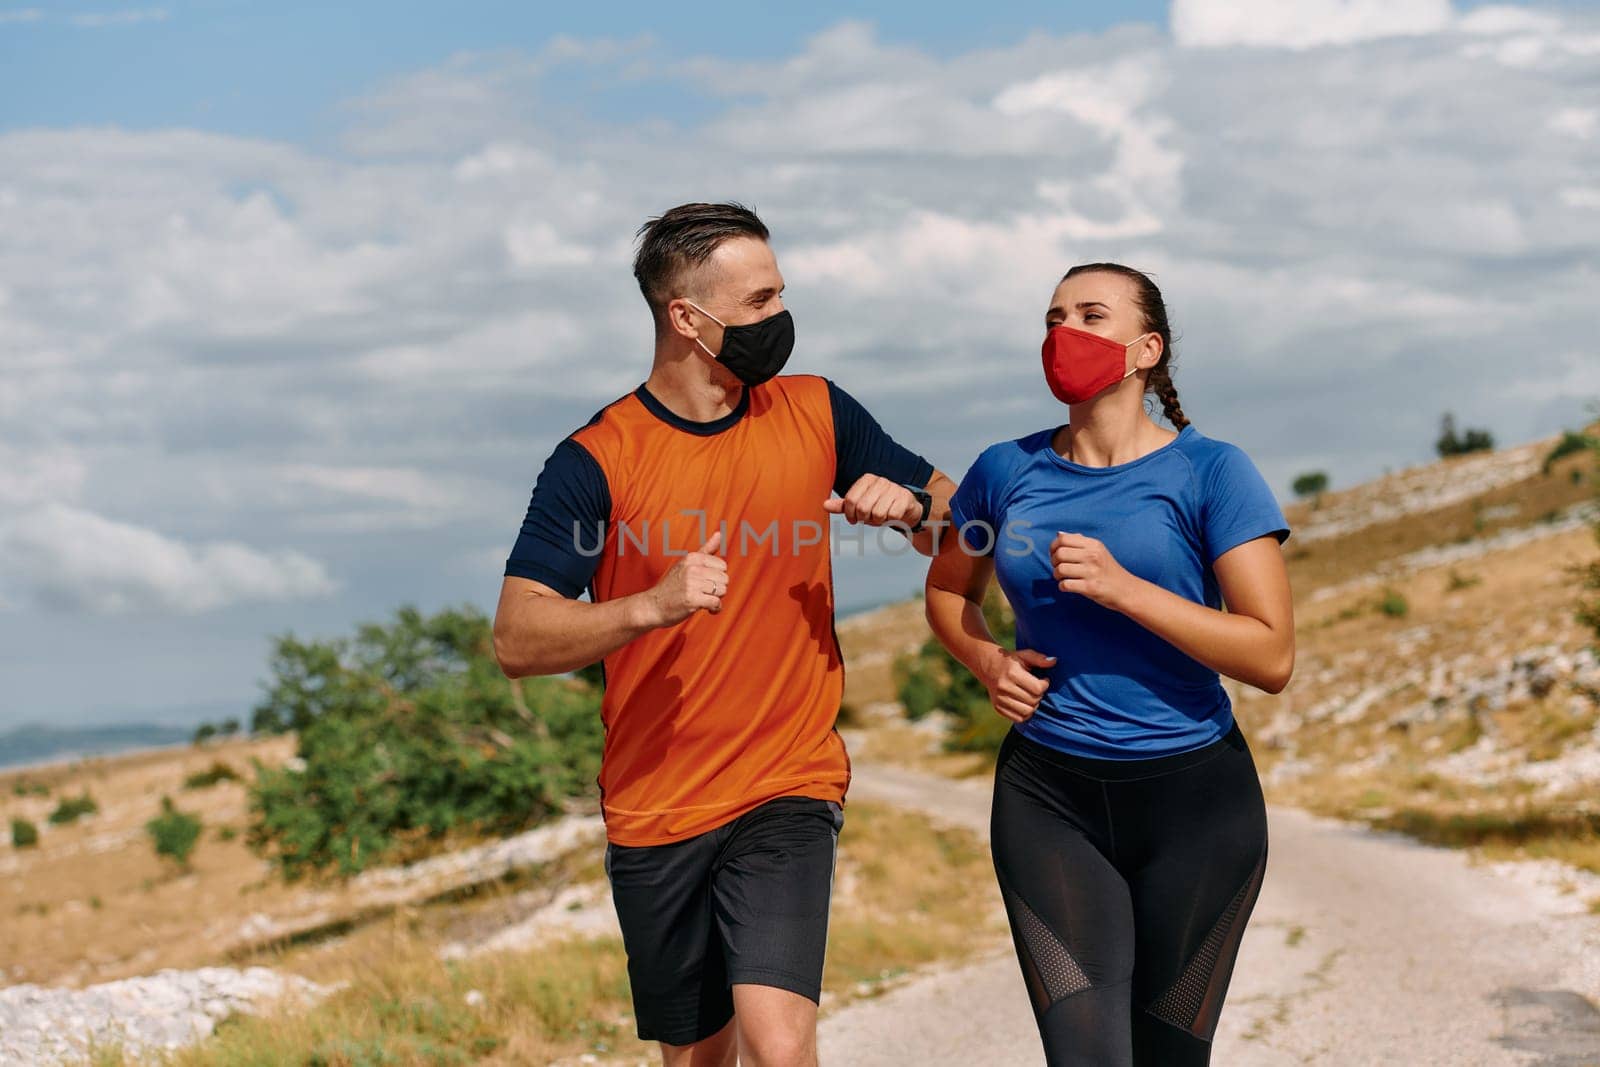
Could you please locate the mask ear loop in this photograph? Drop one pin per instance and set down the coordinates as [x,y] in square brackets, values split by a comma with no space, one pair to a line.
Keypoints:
[714,319]
[1135,368]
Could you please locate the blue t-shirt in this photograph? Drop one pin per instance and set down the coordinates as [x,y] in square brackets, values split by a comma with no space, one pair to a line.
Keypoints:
[1117,690]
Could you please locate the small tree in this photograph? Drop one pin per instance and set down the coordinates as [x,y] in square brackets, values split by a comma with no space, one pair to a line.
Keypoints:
[174,832]
[1311,484]
[1452,444]
[204,732]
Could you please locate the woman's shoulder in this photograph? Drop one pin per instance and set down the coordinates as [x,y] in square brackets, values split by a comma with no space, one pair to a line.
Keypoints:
[1207,453]
[1000,463]
[1013,453]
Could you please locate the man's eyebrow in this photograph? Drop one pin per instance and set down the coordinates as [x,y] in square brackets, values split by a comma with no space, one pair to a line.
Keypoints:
[761,296]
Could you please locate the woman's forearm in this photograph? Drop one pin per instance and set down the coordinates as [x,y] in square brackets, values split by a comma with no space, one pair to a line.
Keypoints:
[1238,646]
[959,625]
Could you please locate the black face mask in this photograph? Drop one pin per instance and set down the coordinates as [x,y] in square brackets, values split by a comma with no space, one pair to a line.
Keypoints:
[754,351]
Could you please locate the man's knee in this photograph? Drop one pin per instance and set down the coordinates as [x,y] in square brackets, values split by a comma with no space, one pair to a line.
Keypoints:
[777,1027]
[719,1050]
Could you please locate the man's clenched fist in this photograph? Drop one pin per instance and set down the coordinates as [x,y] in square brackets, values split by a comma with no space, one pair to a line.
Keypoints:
[875,500]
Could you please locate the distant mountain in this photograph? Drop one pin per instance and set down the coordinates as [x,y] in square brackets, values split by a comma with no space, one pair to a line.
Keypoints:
[36,743]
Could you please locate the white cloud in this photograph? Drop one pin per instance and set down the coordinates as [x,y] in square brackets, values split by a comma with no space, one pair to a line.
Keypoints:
[25,14]
[126,17]
[1303,23]
[1579,122]
[29,477]
[68,557]
[256,343]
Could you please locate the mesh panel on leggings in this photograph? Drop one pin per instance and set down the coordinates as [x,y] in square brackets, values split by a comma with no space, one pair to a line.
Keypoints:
[1057,969]
[1181,1003]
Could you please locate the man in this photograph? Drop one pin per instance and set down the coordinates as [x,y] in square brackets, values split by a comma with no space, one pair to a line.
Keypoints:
[695,511]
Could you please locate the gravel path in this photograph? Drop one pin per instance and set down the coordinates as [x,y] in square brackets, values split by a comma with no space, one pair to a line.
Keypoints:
[1364,948]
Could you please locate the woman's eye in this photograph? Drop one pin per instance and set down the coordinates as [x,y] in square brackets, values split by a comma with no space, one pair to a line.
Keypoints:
[1091,316]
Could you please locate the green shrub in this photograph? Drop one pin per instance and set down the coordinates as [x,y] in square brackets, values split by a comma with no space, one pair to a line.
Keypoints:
[407,733]
[22,787]
[70,808]
[24,834]
[933,678]
[1570,444]
[1452,444]
[1393,604]
[203,733]
[915,686]
[174,832]
[1312,483]
[217,772]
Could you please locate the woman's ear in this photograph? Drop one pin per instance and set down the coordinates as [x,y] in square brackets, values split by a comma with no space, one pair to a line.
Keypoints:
[1151,353]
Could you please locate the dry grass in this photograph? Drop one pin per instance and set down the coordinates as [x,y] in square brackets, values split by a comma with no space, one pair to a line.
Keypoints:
[907,894]
[92,901]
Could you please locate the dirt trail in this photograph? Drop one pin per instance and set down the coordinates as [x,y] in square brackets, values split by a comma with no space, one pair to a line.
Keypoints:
[1364,948]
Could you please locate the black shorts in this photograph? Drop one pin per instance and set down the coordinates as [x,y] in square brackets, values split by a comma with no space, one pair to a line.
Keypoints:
[746,902]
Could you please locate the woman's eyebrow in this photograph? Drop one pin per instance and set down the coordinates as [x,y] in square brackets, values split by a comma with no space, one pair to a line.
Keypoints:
[1089,304]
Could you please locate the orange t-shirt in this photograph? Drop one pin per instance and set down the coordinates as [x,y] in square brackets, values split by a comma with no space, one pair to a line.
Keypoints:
[707,719]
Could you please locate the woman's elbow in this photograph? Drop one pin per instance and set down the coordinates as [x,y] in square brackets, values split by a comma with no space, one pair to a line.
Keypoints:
[1276,678]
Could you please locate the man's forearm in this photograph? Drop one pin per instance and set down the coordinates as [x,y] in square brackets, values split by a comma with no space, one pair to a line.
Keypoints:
[543,634]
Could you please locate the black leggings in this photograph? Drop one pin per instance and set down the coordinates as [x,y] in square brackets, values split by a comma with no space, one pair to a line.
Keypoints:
[1128,884]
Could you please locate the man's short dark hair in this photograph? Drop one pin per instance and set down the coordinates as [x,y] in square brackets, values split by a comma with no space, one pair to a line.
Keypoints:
[683,239]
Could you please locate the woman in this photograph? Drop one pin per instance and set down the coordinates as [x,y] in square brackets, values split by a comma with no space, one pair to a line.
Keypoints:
[1129,831]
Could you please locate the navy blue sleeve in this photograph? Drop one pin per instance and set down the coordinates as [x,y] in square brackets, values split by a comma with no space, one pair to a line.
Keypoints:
[861,446]
[1237,506]
[565,527]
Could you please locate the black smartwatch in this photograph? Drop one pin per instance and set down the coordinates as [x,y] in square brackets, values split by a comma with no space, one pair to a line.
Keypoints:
[924,498]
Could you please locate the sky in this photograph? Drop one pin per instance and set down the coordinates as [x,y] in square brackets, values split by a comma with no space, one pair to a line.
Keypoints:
[295,301]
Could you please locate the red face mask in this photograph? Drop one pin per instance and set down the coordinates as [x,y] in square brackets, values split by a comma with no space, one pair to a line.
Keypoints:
[1079,364]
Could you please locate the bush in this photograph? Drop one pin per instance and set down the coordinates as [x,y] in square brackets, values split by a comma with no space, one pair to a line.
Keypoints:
[24,834]
[1394,604]
[174,832]
[933,678]
[915,687]
[203,733]
[1570,444]
[1450,444]
[22,787]
[408,732]
[217,772]
[69,808]
[1312,483]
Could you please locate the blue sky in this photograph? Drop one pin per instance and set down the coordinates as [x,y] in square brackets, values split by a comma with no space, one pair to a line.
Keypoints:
[278,69]
[295,299]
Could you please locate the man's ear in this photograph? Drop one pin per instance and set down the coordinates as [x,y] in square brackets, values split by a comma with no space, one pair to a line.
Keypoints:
[679,314]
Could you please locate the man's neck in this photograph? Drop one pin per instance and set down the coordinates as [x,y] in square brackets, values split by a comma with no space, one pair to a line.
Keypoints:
[690,387]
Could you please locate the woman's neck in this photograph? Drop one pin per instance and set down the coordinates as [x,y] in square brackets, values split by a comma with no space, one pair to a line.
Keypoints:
[1103,438]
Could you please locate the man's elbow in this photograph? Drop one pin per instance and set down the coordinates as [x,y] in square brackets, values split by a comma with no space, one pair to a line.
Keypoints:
[514,661]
